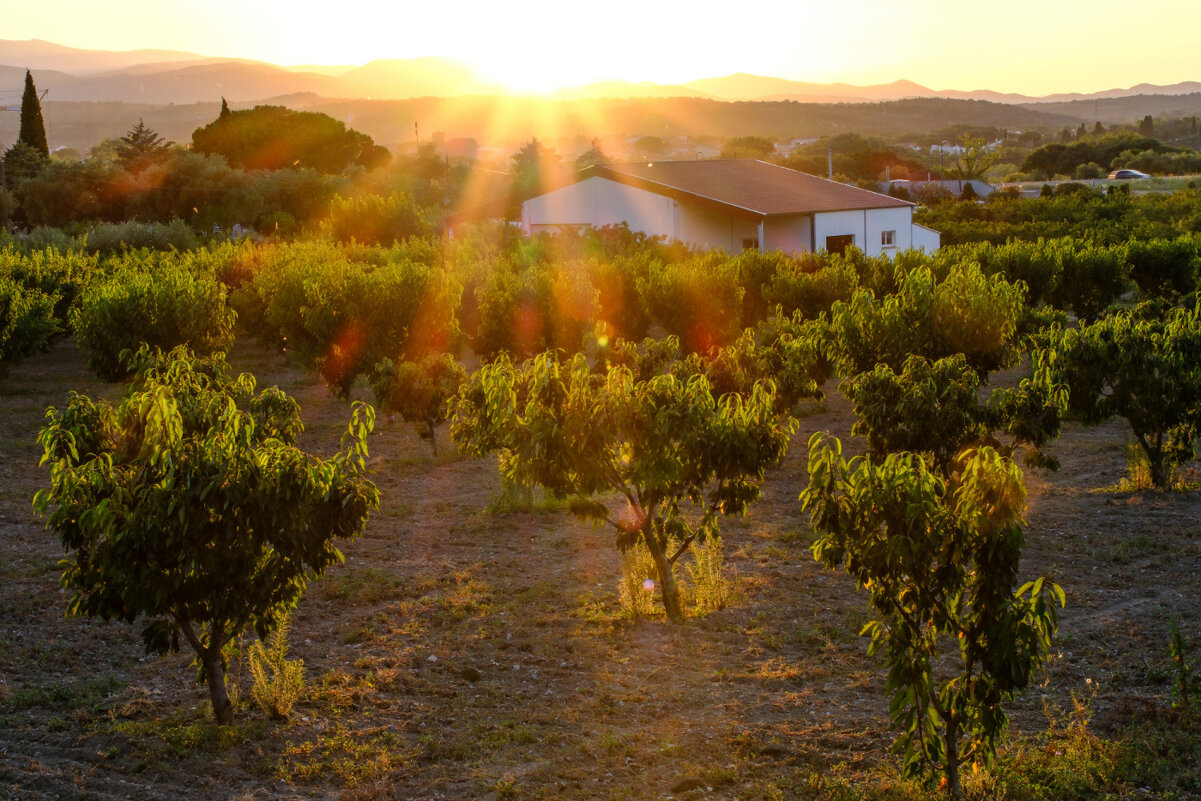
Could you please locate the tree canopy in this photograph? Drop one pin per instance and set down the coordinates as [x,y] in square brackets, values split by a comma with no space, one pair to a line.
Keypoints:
[274,137]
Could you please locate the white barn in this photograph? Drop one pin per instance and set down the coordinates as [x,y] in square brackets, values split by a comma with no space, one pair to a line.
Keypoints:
[732,204]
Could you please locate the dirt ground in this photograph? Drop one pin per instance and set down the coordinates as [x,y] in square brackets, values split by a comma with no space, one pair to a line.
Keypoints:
[465,651]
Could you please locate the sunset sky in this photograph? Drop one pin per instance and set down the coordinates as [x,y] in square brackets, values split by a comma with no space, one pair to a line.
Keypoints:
[1029,46]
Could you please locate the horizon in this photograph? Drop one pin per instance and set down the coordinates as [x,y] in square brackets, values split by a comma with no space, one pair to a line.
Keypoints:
[549,48]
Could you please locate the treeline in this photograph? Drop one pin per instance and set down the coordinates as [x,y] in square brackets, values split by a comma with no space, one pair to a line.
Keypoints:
[269,169]
[1094,155]
[1109,216]
[342,308]
[203,192]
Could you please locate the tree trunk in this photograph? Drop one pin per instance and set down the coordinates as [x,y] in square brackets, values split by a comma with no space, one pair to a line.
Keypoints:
[214,672]
[667,580]
[223,710]
[951,748]
[1156,460]
[433,438]
[1160,473]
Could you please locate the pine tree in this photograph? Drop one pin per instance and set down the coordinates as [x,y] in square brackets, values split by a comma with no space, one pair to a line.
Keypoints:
[141,147]
[33,128]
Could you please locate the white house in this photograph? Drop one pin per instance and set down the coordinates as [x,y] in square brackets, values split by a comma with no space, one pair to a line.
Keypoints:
[732,204]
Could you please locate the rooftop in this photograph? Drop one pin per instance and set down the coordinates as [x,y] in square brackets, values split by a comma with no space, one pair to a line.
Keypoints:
[753,186]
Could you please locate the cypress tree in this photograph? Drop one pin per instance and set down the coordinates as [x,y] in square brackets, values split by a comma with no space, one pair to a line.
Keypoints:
[225,112]
[33,128]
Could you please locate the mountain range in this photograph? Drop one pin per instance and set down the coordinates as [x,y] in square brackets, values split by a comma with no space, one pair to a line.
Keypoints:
[90,96]
[166,76]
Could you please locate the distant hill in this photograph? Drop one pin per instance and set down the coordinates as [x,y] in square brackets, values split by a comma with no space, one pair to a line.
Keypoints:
[36,54]
[165,76]
[206,80]
[12,83]
[198,82]
[1125,109]
[94,95]
[742,86]
[390,122]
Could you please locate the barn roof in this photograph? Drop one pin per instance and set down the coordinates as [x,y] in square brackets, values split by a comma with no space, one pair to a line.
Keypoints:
[752,186]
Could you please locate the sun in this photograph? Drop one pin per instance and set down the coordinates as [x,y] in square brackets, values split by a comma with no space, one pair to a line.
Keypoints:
[532,73]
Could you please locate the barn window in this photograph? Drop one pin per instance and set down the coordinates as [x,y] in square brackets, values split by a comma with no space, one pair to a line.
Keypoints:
[888,239]
[839,244]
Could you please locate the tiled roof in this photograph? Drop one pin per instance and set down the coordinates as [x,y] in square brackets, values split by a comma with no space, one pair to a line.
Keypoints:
[753,186]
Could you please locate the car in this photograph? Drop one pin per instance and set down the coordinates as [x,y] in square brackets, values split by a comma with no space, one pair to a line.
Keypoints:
[1123,175]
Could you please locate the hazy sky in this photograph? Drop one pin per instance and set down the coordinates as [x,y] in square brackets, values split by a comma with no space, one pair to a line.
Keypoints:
[1030,46]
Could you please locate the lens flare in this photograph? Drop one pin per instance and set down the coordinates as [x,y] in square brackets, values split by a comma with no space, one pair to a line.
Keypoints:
[649,585]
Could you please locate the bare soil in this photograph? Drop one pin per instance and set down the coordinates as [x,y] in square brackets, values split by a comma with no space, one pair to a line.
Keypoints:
[463,651]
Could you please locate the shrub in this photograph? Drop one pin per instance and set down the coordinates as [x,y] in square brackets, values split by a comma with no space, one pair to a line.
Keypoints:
[636,590]
[710,589]
[277,682]
[118,237]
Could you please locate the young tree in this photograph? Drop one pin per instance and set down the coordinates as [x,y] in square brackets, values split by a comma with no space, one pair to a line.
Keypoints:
[163,309]
[677,456]
[27,322]
[191,507]
[1143,365]
[939,558]
[420,392]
